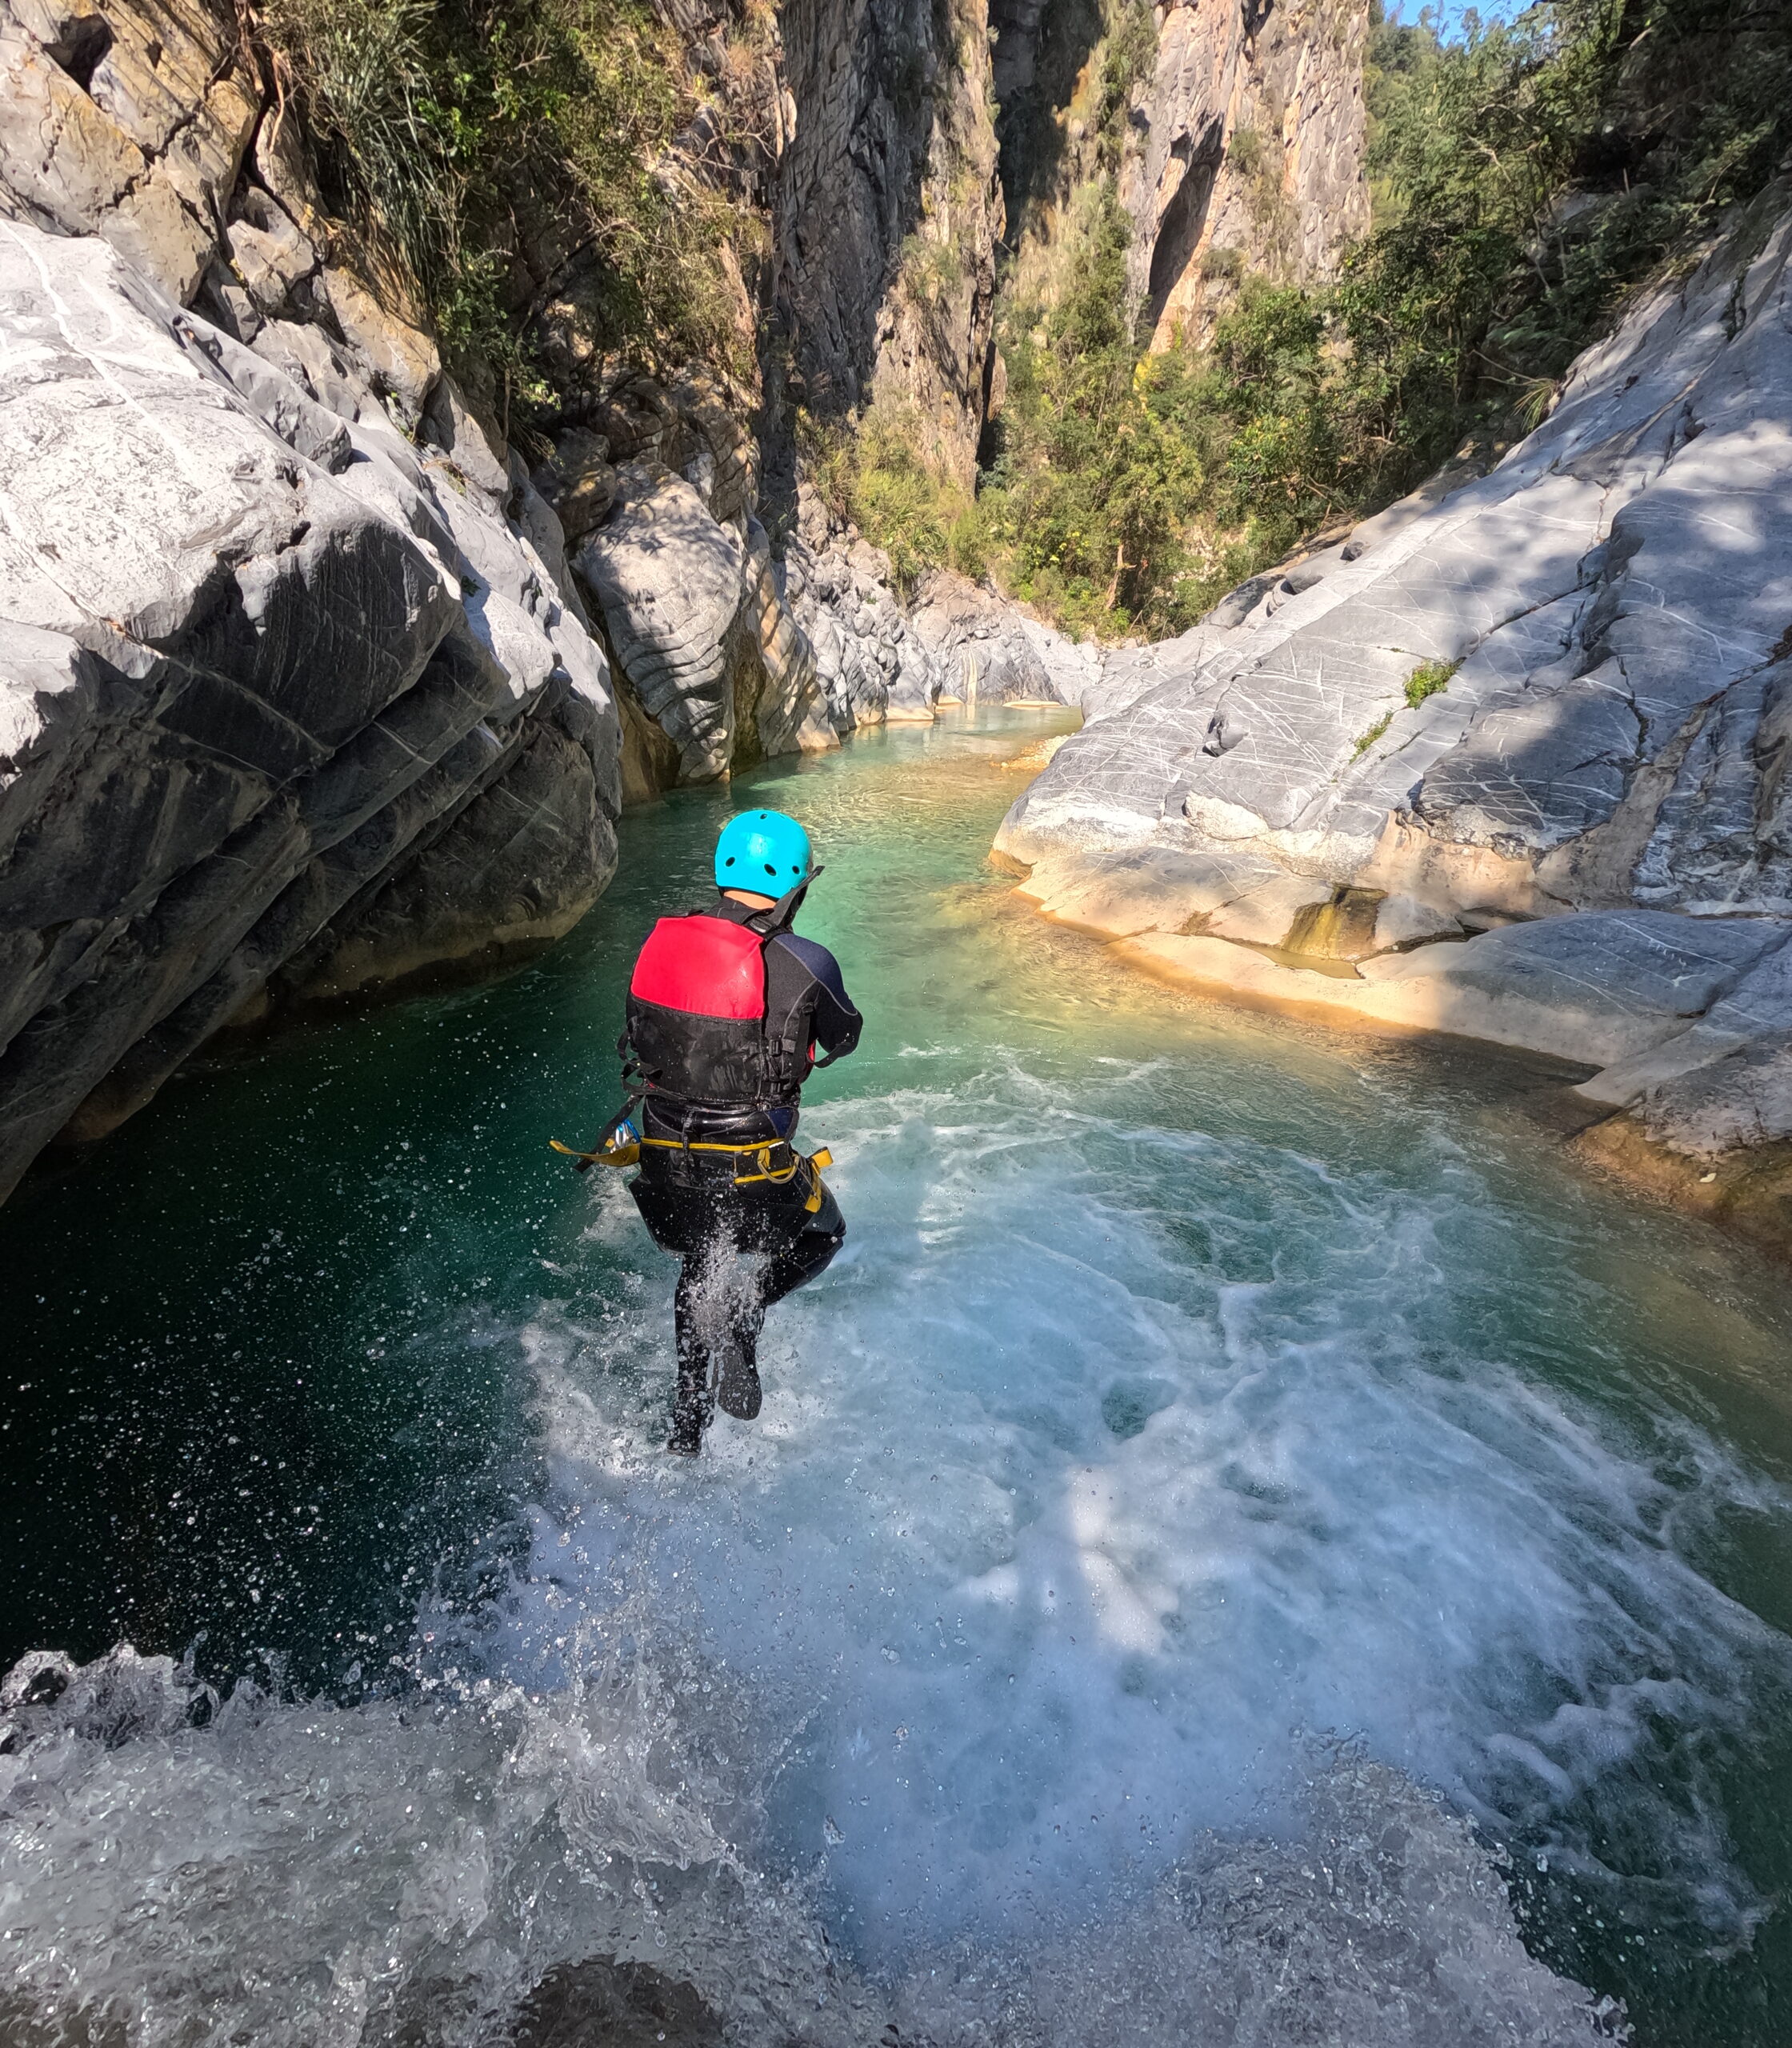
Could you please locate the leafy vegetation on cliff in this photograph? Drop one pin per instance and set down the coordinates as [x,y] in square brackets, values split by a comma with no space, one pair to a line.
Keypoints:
[1527,177]
[502,148]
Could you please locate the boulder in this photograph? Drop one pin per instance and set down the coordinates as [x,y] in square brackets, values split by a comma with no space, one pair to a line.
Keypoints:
[669,582]
[779,692]
[695,611]
[579,482]
[870,664]
[255,660]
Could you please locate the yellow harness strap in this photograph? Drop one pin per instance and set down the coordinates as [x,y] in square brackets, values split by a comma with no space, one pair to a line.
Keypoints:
[761,1154]
[611,1155]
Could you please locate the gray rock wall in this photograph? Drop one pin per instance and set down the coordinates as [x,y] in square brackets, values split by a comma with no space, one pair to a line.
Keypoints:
[268,667]
[1607,613]
[886,213]
[1249,158]
[713,658]
[1238,151]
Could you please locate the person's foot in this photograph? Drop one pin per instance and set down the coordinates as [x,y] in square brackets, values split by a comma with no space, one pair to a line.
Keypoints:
[687,1438]
[738,1392]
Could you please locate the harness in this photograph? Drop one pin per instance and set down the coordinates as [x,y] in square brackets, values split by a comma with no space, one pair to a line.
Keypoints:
[697,1032]
[788,1161]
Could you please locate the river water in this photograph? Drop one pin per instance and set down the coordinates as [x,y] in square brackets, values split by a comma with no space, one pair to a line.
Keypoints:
[1245,1544]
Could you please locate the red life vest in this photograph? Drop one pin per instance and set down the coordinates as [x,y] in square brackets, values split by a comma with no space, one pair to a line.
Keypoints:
[697,1011]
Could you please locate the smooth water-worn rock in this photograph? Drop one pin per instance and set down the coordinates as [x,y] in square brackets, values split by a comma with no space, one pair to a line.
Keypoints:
[1598,626]
[990,650]
[265,663]
[871,662]
[700,629]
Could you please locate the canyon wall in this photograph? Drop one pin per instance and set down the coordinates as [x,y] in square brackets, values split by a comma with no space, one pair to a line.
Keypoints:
[887,212]
[310,680]
[1248,156]
[1510,760]
[1232,136]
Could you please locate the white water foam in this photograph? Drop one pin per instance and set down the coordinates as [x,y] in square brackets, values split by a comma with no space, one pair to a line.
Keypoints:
[1061,1543]
[411,1871]
[1113,1472]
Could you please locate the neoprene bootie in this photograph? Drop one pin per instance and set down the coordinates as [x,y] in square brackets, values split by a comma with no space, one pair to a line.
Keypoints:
[737,1391]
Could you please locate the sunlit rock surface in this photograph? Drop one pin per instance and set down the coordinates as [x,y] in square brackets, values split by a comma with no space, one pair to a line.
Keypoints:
[1602,620]
[701,630]
[1250,156]
[1238,151]
[873,664]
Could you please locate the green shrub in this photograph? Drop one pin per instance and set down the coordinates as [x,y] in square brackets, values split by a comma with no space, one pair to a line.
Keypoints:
[444,124]
[931,270]
[1427,679]
[1128,56]
[906,503]
[1369,738]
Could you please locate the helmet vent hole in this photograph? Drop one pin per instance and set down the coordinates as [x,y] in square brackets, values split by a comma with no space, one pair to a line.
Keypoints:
[770,869]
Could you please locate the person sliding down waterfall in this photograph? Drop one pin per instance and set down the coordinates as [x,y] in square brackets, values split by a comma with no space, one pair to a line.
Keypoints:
[727,1008]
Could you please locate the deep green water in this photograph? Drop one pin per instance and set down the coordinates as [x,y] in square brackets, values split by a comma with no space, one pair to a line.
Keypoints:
[1196,1387]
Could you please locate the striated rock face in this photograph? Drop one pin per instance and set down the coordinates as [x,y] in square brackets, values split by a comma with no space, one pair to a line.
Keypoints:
[991,650]
[1251,155]
[699,626]
[876,667]
[265,663]
[1606,615]
[1238,148]
[132,122]
[885,215]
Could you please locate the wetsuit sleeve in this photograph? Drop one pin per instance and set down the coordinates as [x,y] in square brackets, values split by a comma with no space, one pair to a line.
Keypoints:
[835,1021]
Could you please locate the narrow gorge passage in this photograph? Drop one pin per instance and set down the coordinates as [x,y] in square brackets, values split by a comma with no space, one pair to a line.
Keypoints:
[1243,1544]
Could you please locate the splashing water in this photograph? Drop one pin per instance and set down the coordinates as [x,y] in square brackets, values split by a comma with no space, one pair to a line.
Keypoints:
[1239,1535]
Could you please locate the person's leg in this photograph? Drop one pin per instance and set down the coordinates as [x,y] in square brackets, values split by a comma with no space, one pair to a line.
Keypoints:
[808,1245]
[691,1404]
[684,1217]
[809,1252]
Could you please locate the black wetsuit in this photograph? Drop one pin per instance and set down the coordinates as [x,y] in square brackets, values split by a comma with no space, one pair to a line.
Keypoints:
[691,1199]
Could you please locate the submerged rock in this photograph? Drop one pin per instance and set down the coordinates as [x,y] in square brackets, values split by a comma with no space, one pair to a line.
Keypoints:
[624,2005]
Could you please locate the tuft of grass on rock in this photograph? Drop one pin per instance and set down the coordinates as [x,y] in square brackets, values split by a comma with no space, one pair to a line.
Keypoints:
[1427,679]
[1373,734]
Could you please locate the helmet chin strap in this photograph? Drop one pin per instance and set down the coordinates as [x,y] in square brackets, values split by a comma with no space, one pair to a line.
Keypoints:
[778,918]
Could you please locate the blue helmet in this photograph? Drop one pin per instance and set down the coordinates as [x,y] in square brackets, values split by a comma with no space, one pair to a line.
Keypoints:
[764,852]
